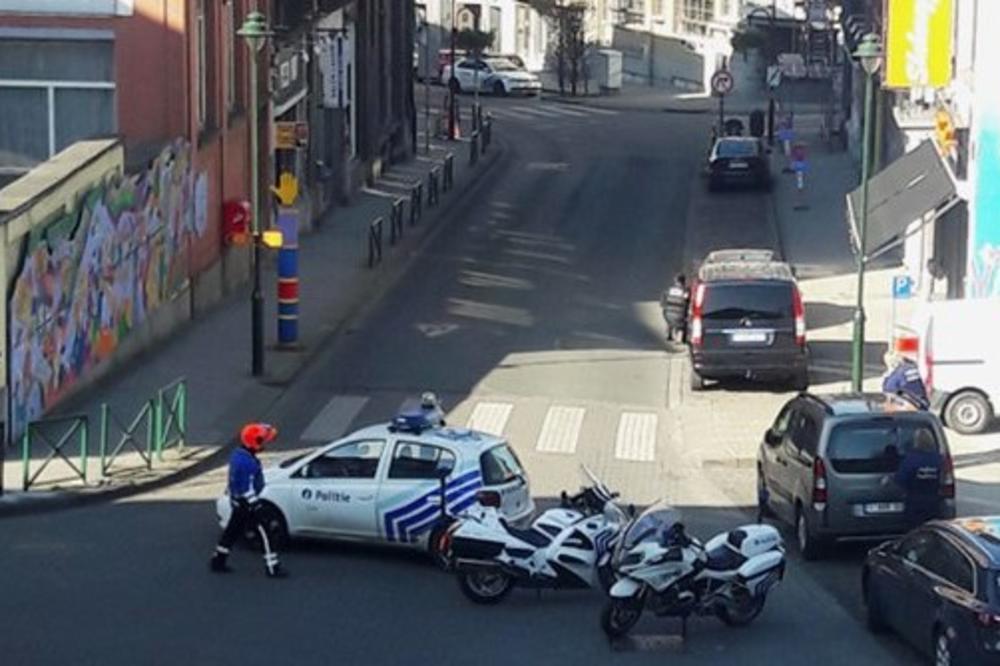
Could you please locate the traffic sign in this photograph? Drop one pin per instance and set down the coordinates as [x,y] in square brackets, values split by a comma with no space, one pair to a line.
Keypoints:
[773,76]
[902,287]
[722,82]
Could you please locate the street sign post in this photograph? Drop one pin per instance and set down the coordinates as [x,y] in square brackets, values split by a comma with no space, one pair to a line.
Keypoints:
[902,290]
[722,85]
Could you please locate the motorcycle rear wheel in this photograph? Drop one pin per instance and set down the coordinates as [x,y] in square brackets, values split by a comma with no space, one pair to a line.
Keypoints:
[619,616]
[485,587]
[743,610]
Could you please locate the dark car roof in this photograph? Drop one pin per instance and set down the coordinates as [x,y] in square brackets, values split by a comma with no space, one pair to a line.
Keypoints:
[982,532]
[851,404]
[717,271]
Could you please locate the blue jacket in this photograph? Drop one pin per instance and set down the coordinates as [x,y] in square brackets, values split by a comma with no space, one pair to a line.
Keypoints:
[905,378]
[246,478]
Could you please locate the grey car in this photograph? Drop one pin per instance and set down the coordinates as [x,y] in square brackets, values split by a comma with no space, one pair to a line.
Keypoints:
[826,464]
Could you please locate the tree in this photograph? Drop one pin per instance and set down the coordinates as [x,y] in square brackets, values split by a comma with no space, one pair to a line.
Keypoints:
[473,41]
[567,18]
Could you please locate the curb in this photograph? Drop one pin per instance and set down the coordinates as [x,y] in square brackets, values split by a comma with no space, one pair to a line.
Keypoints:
[382,284]
[775,223]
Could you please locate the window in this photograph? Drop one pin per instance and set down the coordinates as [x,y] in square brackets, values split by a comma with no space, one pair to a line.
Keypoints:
[53,92]
[784,418]
[733,148]
[419,461]
[500,465]
[355,460]
[495,20]
[948,562]
[232,71]
[759,301]
[916,548]
[201,37]
[806,434]
[873,446]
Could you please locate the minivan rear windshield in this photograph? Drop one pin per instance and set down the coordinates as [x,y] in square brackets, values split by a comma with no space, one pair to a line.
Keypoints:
[735,148]
[500,465]
[873,447]
[759,300]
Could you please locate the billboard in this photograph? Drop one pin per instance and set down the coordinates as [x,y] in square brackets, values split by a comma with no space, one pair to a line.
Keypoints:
[984,209]
[919,42]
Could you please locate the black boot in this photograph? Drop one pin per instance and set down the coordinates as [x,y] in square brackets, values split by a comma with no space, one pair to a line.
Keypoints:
[277,571]
[218,564]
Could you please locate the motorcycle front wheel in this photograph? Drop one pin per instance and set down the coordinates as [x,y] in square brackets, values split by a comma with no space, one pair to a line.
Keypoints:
[742,610]
[485,587]
[619,616]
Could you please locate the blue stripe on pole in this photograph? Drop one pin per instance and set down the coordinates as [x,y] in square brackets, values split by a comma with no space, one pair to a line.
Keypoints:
[288,263]
[288,308]
[288,331]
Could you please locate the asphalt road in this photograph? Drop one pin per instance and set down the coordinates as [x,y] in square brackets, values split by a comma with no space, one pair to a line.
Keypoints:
[541,294]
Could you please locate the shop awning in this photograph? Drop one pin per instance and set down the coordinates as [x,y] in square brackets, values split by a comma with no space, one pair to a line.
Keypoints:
[904,192]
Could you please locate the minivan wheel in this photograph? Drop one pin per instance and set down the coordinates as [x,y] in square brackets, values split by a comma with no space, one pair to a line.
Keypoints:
[499,89]
[809,545]
[968,412]
[800,381]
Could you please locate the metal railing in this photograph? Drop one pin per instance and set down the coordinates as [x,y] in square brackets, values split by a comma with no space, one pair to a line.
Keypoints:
[71,429]
[396,221]
[474,148]
[448,167]
[375,242]
[487,132]
[171,417]
[128,436]
[433,186]
[416,202]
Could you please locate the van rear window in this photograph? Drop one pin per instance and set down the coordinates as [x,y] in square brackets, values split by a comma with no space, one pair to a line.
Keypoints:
[500,465]
[762,300]
[873,447]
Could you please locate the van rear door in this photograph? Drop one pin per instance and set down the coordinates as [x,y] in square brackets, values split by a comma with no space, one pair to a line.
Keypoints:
[749,315]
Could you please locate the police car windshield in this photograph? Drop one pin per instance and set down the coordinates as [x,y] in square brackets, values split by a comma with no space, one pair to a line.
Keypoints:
[500,465]
[873,447]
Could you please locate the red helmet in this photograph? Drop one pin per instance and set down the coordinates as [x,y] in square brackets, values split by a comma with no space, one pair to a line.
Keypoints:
[255,435]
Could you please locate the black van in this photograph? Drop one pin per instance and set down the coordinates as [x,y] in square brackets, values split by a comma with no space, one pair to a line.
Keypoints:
[747,320]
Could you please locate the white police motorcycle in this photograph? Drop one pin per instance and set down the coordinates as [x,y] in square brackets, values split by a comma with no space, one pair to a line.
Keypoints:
[661,569]
[565,547]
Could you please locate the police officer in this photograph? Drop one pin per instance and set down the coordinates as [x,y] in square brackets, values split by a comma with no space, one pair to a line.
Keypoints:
[246,482]
[919,475]
[674,303]
[904,379]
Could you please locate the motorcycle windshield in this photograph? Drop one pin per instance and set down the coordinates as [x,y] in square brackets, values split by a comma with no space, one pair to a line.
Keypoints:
[651,524]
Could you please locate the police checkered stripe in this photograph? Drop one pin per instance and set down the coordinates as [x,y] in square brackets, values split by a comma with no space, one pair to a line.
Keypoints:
[407,522]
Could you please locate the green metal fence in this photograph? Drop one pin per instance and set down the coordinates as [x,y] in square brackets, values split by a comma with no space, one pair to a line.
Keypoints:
[57,434]
[159,425]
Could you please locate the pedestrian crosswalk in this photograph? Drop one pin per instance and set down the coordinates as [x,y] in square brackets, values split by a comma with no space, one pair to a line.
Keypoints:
[537,426]
[536,112]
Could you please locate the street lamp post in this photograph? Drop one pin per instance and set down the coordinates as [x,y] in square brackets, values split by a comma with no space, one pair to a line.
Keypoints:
[254,31]
[869,55]
[452,120]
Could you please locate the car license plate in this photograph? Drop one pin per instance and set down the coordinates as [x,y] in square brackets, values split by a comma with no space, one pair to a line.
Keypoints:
[748,336]
[738,164]
[877,508]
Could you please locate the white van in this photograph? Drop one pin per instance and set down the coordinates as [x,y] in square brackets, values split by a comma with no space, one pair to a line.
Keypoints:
[958,345]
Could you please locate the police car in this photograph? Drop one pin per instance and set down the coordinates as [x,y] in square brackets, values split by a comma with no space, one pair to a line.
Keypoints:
[383,483]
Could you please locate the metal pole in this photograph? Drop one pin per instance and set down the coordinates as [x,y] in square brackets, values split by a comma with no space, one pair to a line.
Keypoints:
[452,134]
[722,115]
[427,88]
[256,295]
[857,366]
[876,161]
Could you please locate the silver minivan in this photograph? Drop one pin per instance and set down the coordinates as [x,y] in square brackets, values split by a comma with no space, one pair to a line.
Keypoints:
[826,466]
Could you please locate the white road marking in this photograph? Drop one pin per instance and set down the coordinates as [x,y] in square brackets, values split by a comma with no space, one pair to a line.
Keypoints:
[560,430]
[538,112]
[510,115]
[565,110]
[636,438]
[490,417]
[333,420]
[595,110]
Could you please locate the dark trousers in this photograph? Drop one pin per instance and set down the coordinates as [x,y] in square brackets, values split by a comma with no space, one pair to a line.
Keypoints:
[244,516]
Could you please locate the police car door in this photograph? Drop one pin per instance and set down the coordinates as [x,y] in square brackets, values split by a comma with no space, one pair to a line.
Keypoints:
[409,499]
[337,491]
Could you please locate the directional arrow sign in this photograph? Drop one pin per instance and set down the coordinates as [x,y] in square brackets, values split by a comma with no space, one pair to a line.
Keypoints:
[436,330]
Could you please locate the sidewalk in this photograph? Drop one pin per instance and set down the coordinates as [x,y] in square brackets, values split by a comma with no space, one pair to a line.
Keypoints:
[213,353]
[814,234]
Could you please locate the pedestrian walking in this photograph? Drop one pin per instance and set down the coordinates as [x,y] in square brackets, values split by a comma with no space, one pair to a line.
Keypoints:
[674,303]
[246,482]
[919,475]
[903,378]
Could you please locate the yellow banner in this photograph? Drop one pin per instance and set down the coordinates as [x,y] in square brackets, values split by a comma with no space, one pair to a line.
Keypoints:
[919,43]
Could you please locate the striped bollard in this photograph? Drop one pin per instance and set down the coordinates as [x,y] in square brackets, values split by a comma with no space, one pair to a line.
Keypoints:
[288,277]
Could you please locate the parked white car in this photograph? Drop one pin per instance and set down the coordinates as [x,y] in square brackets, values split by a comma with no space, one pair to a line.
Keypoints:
[499,76]
[382,483]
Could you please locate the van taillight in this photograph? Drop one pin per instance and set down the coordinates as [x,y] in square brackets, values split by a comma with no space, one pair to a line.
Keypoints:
[929,359]
[697,333]
[819,495]
[948,478]
[800,317]
[988,620]
[488,498]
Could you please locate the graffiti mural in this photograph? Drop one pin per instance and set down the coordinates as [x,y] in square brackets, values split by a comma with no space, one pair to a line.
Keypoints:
[984,251]
[89,278]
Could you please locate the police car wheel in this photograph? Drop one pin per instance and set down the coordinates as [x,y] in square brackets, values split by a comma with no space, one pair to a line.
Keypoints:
[968,413]
[274,523]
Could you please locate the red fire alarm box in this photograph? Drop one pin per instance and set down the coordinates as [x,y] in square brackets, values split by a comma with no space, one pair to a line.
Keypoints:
[236,222]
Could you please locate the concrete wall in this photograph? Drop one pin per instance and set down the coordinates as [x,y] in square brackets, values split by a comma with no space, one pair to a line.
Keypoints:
[674,63]
[97,266]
